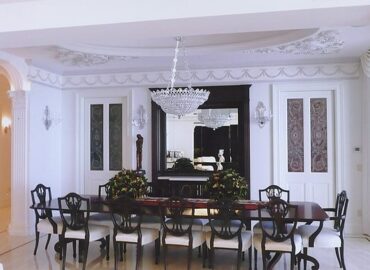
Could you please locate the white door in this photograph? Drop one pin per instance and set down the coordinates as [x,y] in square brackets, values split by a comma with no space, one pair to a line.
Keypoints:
[306,144]
[105,141]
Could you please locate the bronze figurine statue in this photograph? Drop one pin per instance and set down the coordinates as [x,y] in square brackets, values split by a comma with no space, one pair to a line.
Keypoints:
[139,152]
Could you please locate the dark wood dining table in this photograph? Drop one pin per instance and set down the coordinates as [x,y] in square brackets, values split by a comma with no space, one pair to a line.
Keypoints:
[307,212]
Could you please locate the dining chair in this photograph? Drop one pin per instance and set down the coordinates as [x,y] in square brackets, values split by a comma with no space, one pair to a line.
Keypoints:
[279,238]
[328,237]
[75,212]
[267,194]
[226,223]
[126,230]
[45,222]
[177,221]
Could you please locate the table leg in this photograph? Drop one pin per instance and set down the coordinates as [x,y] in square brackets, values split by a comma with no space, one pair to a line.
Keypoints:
[309,258]
[271,263]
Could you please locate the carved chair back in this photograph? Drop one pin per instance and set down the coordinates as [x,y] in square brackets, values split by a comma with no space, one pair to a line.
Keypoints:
[75,212]
[225,219]
[41,194]
[107,190]
[273,192]
[123,210]
[340,211]
[181,214]
[279,213]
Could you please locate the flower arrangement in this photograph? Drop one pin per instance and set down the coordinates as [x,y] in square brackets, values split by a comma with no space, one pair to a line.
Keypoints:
[128,182]
[227,184]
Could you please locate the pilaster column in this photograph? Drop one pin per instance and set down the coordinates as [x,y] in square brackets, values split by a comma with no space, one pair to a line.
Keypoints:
[19,223]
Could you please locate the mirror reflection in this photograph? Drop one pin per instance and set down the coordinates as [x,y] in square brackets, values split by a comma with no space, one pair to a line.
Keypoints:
[207,137]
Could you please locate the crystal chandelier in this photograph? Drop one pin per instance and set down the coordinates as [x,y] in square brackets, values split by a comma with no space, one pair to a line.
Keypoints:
[214,118]
[179,101]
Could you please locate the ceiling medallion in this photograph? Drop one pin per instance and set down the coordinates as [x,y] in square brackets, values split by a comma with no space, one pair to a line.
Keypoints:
[324,42]
[81,59]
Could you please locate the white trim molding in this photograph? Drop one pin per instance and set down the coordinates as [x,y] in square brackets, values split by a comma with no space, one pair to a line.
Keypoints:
[203,76]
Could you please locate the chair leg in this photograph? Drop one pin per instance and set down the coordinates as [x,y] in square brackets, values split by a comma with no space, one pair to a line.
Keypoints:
[211,257]
[74,248]
[86,249]
[107,240]
[238,259]
[305,256]
[243,256]
[48,241]
[157,249]
[255,259]
[250,257]
[292,261]
[121,251]
[342,256]
[37,242]
[64,251]
[199,251]
[61,247]
[138,255]
[264,261]
[338,256]
[190,253]
[204,247]
[165,256]
[116,250]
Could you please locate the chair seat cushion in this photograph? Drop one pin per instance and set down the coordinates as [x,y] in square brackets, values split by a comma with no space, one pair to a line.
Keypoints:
[234,225]
[96,232]
[147,236]
[327,238]
[230,243]
[278,246]
[198,239]
[44,225]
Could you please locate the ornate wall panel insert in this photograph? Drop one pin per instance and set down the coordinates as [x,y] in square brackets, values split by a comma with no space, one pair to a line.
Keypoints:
[295,135]
[115,137]
[96,137]
[319,135]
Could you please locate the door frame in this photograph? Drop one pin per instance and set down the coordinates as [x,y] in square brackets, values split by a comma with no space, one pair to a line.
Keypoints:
[337,91]
[125,95]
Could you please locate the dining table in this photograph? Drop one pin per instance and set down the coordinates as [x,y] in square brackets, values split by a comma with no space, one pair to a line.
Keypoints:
[307,212]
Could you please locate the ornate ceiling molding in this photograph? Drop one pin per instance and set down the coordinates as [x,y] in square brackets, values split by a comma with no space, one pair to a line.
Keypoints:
[201,77]
[82,59]
[365,61]
[324,42]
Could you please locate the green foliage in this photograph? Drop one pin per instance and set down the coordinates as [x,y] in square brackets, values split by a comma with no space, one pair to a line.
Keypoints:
[183,165]
[128,182]
[227,184]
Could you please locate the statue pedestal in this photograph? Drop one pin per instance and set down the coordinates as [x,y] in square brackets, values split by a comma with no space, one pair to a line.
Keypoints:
[140,172]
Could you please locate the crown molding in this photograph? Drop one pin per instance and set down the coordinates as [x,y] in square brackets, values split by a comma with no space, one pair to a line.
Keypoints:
[43,76]
[365,62]
[204,77]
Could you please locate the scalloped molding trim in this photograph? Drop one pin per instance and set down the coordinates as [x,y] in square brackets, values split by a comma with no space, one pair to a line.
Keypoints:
[206,76]
[365,61]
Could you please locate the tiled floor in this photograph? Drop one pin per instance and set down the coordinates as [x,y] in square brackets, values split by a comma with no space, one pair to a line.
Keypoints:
[17,253]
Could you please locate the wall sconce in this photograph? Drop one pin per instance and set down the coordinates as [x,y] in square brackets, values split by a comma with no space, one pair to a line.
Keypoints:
[141,118]
[261,114]
[46,120]
[5,123]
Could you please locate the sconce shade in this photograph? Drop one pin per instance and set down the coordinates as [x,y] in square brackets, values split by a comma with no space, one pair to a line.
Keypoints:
[5,123]
[261,114]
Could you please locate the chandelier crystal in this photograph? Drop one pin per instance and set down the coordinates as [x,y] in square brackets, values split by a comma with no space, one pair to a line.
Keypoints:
[180,101]
[214,118]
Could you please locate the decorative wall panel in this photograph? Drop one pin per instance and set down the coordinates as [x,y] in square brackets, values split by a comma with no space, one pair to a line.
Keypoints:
[295,135]
[96,137]
[115,137]
[319,135]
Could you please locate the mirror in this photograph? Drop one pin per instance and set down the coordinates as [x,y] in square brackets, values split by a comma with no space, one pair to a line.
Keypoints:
[198,141]
[207,137]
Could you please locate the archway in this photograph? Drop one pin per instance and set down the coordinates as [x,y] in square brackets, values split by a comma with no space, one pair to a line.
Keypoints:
[15,71]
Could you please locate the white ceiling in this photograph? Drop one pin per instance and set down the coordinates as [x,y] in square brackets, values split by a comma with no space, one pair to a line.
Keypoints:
[300,36]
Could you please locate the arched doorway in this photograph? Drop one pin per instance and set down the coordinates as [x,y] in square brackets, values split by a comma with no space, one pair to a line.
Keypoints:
[5,153]
[14,70]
